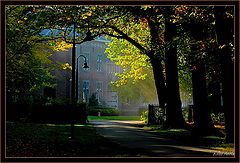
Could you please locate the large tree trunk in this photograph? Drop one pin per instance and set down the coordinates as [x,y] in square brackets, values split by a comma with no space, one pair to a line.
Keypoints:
[224,36]
[228,99]
[173,110]
[202,116]
[202,120]
[171,96]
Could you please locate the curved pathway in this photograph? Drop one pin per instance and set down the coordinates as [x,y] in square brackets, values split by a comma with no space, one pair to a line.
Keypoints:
[125,134]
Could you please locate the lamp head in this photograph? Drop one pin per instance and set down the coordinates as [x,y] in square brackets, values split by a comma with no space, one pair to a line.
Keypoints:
[85,66]
[88,36]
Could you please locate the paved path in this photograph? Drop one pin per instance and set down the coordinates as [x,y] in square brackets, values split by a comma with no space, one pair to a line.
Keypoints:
[125,134]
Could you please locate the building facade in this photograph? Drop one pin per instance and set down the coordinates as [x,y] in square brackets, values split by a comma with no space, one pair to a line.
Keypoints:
[97,78]
[94,80]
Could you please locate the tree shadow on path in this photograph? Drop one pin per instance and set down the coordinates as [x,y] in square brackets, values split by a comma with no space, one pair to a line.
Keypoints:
[127,135]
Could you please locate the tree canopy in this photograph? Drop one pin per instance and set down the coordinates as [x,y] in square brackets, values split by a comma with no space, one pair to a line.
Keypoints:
[25,57]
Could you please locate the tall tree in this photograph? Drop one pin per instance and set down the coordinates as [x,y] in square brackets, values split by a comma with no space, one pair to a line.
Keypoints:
[199,22]
[173,95]
[198,26]
[136,71]
[154,19]
[224,30]
[25,57]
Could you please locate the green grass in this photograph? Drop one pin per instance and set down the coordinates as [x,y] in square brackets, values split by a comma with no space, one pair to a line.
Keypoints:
[52,140]
[119,118]
[184,136]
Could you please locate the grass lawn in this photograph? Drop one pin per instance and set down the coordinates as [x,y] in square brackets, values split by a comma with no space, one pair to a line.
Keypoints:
[52,140]
[184,136]
[119,118]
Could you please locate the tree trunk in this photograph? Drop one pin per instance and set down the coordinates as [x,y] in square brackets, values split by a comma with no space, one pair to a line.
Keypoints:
[202,120]
[174,118]
[159,81]
[173,111]
[156,60]
[228,99]
[215,99]
[224,36]
[201,112]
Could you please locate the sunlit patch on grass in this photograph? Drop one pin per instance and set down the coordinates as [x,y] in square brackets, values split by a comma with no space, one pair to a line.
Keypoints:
[214,137]
[219,126]
[224,149]
[119,118]
[67,125]
[177,130]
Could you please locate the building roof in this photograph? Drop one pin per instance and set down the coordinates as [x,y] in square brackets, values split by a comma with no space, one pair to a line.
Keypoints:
[59,33]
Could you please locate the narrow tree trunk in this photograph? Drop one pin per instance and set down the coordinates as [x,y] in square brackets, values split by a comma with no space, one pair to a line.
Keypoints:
[224,35]
[214,90]
[173,111]
[159,81]
[156,60]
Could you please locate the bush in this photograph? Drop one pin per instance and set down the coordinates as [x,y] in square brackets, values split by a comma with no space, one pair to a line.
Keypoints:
[140,110]
[217,118]
[43,109]
[16,111]
[93,101]
[185,113]
[58,102]
[59,114]
[104,111]
[144,116]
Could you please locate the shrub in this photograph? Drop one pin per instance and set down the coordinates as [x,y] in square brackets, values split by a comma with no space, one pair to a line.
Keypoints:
[140,110]
[93,101]
[58,102]
[104,111]
[59,114]
[185,113]
[144,116]
[217,118]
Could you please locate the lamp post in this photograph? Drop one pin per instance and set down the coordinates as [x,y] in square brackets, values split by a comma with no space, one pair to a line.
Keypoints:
[73,101]
[85,66]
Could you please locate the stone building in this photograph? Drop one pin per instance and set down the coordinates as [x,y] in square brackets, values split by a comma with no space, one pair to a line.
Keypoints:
[97,78]
[94,80]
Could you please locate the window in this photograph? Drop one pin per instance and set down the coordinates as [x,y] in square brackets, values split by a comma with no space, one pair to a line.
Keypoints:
[86,92]
[99,91]
[99,66]
[99,58]
[99,62]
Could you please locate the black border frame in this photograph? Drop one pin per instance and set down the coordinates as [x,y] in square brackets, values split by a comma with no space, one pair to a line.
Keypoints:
[123,2]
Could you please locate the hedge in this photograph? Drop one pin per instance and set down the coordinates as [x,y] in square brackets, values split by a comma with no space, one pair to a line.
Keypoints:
[48,113]
[93,111]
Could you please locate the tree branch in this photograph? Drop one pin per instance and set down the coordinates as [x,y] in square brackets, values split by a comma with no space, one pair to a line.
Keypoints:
[65,39]
[109,34]
[126,37]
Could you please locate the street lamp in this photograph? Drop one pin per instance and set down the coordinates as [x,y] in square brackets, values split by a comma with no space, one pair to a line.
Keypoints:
[85,66]
[87,38]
